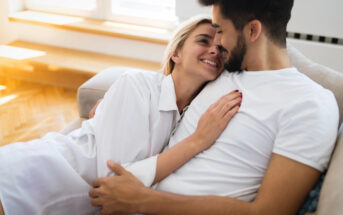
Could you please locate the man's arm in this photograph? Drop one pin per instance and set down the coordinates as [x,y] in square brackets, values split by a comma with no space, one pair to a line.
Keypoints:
[284,188]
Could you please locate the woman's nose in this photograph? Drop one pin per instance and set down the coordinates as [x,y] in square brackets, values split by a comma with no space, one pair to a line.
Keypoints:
[215,49]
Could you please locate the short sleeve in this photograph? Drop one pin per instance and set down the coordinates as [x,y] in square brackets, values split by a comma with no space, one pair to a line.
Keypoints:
[144,170]
[122,123]
[308,130]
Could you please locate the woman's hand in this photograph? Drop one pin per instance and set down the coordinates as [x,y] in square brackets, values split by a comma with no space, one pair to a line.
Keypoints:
[213,122]
[92,112]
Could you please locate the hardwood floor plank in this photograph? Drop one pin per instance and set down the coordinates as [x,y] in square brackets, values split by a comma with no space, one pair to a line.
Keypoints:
[30,110]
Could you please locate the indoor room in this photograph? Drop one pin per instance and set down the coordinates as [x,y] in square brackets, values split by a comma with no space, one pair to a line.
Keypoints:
[161,95]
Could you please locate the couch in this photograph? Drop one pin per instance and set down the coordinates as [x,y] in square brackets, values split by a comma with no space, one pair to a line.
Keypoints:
[331,195]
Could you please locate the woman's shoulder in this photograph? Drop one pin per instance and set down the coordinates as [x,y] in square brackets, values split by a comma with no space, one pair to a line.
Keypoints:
[142,75]
[141,80]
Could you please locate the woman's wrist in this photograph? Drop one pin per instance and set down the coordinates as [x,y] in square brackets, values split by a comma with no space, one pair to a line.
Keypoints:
[199,143]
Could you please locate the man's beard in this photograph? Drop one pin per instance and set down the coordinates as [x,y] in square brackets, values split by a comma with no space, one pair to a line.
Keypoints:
[237,54]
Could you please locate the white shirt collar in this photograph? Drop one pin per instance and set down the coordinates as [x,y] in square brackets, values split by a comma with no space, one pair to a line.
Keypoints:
[167,96]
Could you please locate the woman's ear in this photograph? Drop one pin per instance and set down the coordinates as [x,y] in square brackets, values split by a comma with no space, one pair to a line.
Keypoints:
[253,30]
[176,56]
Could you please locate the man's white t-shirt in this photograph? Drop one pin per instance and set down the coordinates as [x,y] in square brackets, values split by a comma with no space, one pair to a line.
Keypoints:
[282,112]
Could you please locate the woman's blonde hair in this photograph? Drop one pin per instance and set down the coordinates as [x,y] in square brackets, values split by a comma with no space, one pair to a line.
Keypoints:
[178,40]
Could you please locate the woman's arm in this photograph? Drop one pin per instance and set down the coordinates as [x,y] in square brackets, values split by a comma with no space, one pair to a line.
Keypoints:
[211,124]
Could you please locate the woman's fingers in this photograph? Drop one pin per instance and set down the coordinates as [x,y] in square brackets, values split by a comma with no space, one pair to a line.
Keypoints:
[229,114]
[232,95]
[228,102]
[230,105]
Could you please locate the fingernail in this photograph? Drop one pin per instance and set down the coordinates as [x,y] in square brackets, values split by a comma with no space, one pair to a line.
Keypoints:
[236,90]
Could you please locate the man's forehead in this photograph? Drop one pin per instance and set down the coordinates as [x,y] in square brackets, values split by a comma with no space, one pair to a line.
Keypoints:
[215,16]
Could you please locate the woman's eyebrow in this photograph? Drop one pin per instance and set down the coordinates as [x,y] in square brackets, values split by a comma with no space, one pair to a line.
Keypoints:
[204,35]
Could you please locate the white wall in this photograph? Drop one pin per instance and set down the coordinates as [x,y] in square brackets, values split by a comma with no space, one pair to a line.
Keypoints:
[188,8]
[320,17]
[7,33]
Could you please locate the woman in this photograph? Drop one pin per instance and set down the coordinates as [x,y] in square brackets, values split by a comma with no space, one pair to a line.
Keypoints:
[134,122]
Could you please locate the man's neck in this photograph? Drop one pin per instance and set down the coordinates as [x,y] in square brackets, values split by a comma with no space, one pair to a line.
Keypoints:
[266,56]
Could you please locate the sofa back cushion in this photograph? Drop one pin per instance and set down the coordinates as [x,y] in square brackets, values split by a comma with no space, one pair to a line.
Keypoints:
[331,195]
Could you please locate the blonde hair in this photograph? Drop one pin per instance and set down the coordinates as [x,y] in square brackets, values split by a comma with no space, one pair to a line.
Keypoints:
[178,40]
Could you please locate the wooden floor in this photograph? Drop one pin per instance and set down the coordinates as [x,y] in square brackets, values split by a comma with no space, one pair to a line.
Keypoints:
[30,110]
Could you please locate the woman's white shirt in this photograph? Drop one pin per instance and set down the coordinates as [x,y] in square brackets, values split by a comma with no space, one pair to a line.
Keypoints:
[134,121]
[55,172]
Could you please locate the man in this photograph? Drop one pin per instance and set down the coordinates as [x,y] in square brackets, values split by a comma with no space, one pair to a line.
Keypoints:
[273,150]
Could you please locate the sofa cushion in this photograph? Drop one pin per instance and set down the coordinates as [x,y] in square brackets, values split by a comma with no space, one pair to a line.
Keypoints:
[94,89]
[331,196]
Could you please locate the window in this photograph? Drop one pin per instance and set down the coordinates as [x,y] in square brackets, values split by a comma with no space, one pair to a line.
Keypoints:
[158,13]
[139,11]
[86,8]
[75,4]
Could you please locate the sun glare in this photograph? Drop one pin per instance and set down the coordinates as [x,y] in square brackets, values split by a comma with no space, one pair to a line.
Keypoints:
[7,99]
[19,53]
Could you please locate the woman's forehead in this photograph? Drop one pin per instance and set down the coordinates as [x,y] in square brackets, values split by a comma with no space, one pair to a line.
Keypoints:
[204,29]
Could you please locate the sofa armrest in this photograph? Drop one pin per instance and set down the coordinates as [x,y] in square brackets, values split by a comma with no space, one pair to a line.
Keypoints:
[95,88]
[331,195]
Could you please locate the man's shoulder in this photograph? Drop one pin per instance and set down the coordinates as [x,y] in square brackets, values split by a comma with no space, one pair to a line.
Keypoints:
[310,89]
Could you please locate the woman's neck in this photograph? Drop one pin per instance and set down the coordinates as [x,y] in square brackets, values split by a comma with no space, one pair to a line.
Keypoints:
[186,88]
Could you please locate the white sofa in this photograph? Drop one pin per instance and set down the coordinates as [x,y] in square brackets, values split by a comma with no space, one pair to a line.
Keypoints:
[331,197]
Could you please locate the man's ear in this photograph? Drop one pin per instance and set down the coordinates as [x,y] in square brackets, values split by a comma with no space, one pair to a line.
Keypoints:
[176,56]
[253,30]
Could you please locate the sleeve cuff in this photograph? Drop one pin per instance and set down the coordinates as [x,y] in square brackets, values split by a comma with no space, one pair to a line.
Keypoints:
[144,170]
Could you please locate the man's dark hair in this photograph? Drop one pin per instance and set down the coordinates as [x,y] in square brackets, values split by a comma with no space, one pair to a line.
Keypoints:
[273,14]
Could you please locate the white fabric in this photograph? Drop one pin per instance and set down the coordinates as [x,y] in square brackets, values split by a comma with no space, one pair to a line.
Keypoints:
[282,112]
[141,125]
[52,175]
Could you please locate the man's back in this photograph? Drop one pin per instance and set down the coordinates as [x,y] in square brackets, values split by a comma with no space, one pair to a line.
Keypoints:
[282,112]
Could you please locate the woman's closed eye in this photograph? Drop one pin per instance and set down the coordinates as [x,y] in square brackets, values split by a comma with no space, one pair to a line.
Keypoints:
[204,41]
